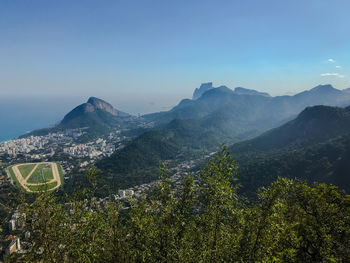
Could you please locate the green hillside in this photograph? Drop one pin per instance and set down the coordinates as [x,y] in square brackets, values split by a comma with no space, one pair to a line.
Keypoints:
[322,162]
[314,124]
[315,147]
[228,123]
[138,162]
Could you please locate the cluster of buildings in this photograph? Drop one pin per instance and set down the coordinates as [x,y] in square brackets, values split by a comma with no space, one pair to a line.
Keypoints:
[17,221]
[16,225]
[143,189]
[178,173]
[92,150]
[24,145]
[42,148]
[123,194]
[14,245]
[36,147]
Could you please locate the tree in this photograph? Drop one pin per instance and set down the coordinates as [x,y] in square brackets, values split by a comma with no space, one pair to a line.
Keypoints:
[203,221]
[219,208]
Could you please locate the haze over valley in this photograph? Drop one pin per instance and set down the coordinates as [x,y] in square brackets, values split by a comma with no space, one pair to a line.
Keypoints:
[129,147]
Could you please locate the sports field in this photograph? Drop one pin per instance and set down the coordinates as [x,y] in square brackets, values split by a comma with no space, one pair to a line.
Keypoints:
[43,173]
[26,169]
[36,177]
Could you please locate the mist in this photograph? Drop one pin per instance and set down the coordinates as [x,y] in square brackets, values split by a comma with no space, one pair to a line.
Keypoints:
[21,114]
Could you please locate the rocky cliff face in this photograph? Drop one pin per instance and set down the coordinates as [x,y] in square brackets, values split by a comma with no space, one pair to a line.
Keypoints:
[202,89]
[92,105]
[102,105]
[243,91]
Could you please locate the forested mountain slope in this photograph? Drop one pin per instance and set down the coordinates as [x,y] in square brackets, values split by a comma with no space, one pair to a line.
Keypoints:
[315,147]
[218,116]
[97,116]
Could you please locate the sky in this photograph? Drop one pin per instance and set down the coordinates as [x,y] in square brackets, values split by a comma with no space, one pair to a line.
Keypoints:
[145,56]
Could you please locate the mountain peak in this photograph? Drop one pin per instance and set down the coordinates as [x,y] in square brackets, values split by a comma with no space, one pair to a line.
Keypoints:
[314,124]
[91,100]
[202,89]
[102,105]
[243,91]
[324,88]
[322,112]
[93,105]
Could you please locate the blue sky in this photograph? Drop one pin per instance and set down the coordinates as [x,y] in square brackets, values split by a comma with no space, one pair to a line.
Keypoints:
[146,55]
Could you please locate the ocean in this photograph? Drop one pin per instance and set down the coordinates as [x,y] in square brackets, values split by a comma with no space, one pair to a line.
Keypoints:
[21,115]
[10,132]
[12,127]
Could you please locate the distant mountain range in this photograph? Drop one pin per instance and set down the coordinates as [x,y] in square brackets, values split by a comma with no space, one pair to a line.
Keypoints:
[234,114]
[219,115]
[248,111]
[241,91]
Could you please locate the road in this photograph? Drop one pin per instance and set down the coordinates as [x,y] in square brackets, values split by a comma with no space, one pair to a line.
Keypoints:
[23,182]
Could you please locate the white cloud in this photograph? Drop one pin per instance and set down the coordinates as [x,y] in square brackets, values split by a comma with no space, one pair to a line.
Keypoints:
[330,74]
[331,60]
[338,66]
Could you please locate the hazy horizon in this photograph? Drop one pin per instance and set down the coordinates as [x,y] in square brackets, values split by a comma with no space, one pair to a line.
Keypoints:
[145,57]
[22,114]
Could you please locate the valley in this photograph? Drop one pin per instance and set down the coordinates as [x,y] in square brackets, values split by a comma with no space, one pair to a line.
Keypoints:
[98,160]
[175,131]
[128,150]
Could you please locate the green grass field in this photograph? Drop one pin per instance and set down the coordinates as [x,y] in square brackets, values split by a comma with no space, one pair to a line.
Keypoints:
[14,179]
[44,187]
[36,177]
[25,169]
[61,172]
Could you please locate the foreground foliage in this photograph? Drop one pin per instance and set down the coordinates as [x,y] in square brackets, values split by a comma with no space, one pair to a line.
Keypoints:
[205,221]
